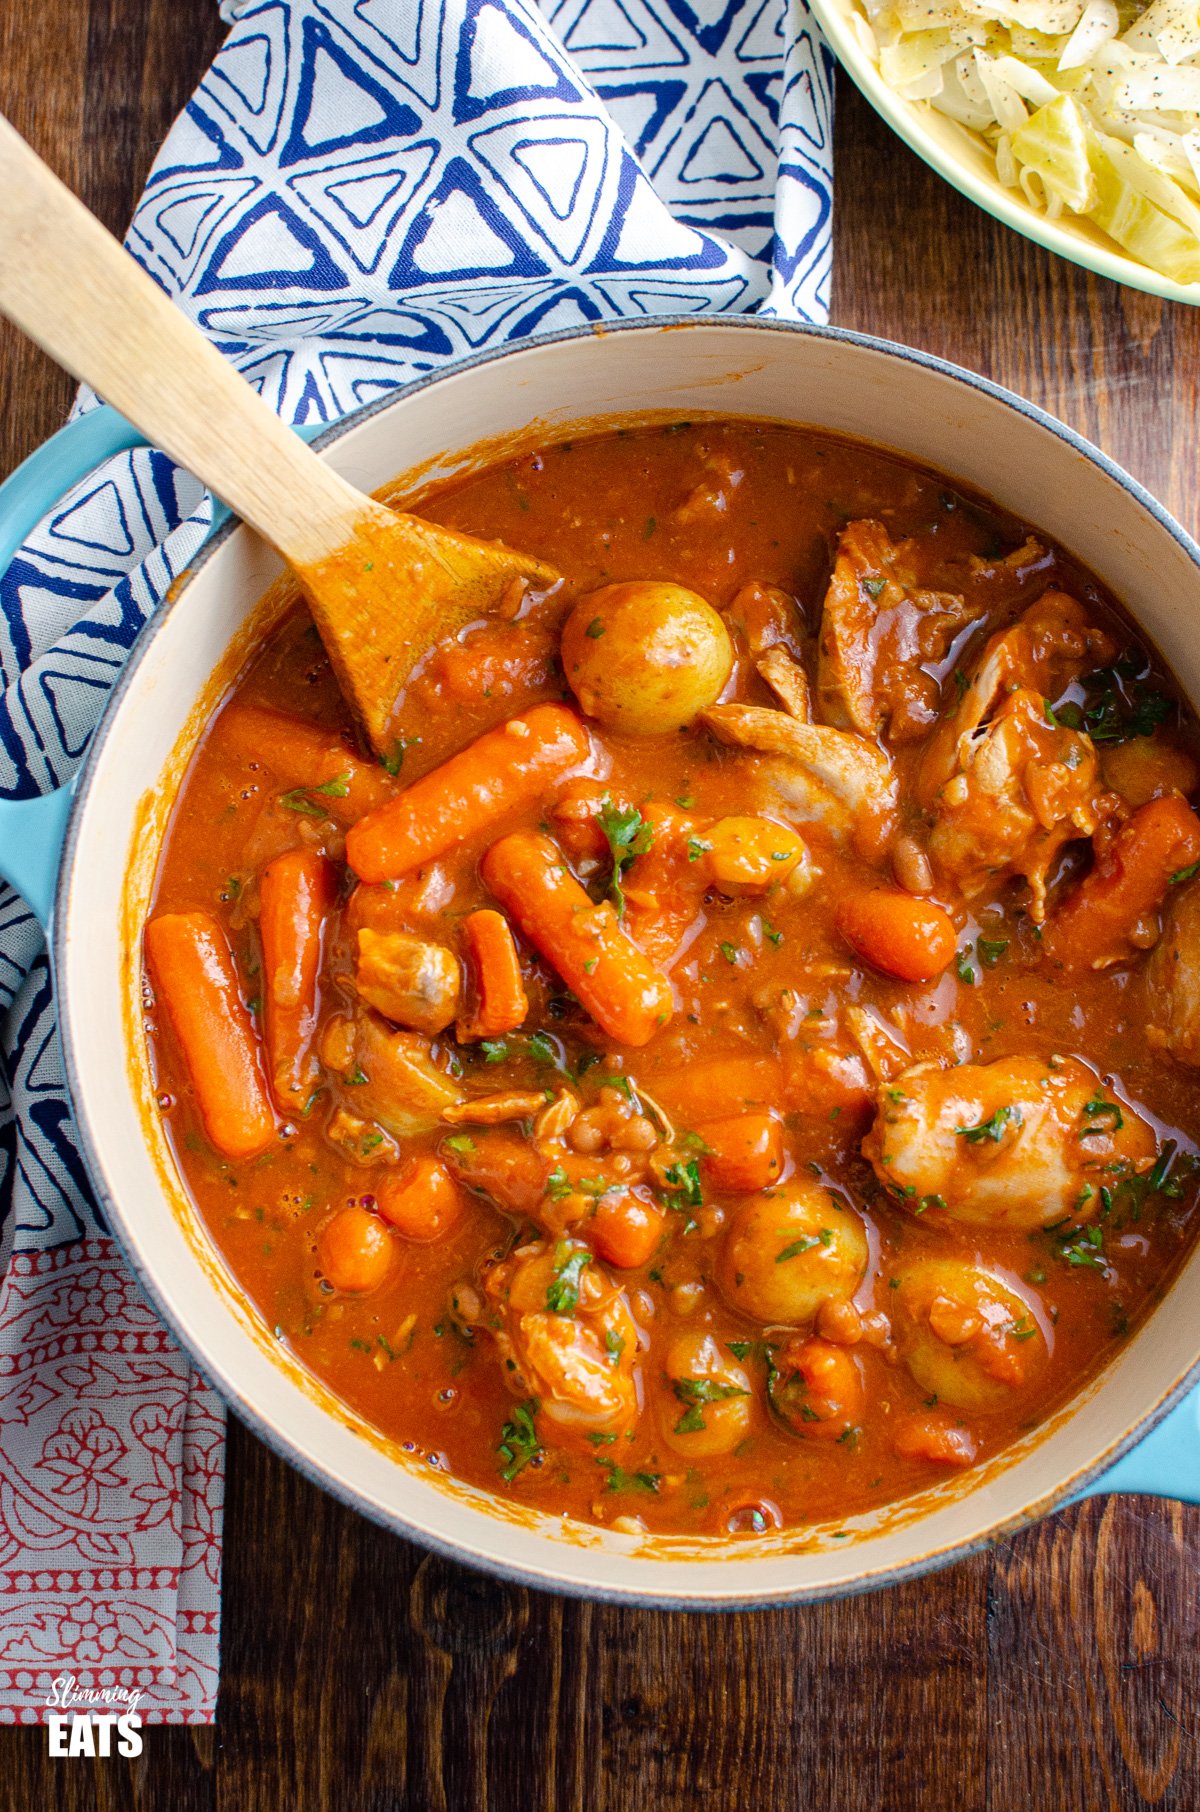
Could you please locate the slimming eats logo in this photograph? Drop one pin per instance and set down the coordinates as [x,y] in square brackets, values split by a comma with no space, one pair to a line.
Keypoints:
[92,1720]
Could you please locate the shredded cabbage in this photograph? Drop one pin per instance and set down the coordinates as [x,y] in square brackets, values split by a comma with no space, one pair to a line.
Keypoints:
[1083,117]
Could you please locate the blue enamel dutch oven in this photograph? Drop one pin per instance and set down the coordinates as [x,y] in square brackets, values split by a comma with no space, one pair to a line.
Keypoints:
[83,858]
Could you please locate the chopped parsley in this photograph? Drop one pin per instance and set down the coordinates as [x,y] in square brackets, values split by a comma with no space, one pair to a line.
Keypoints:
[562,1294]
[394,760]
[1120,705]
[519,1442]
[806,1242]
[696,1392]
[620,1480]
[684,1182]
[1082,1247]
[990,950]
[302,799]
[628,835]
[991,1128]
[1105,1116]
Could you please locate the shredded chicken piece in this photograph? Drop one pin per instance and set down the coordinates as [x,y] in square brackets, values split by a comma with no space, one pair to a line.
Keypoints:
[829,776]
[1006,784]
[494,1110]
[1047,648]
[788,681]
[557,1116]
[884,1050]
[882,637]
[767,617]
[409,980]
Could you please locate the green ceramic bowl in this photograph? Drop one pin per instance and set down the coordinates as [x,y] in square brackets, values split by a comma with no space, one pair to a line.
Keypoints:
[962,157]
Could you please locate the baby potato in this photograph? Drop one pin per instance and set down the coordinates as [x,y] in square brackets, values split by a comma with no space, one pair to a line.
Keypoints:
[747,856]
[969,1337]
[1146,767]
[789,1250]
[645,656]
[713,1398]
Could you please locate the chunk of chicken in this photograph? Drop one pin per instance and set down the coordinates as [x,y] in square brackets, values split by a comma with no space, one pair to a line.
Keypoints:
[1172,979]
[766,617]
[410,981]
[881,637]
[1024,788]
[1019,1143]
[1005,783]
[968,1336]
[566,1336]
[1043,652]
[389,1077]
[830,777]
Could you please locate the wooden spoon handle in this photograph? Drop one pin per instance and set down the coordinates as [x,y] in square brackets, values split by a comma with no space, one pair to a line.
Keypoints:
[71,287]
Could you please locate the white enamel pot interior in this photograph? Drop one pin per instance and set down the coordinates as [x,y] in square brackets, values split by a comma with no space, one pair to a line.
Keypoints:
[832,380]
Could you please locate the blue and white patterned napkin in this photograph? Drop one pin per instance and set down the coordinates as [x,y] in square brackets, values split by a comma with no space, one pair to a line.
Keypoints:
[359,191]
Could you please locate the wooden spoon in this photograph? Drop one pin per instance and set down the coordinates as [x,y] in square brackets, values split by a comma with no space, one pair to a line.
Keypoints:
[382,586]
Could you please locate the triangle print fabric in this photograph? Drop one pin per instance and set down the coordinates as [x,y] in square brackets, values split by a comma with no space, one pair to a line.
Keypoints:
[359,191]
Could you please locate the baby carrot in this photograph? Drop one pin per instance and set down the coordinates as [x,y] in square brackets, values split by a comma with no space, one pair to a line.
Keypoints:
[493,776]
[423,1202]
[717,1087]
[618,985]
[625,1230]
[897,933]
[297,893]
[1129,881]
[745,1151]
[194,978]
[494,983]
[321,772]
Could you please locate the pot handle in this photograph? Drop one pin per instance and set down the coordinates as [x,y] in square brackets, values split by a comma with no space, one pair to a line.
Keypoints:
[32,830]
[1165,1464]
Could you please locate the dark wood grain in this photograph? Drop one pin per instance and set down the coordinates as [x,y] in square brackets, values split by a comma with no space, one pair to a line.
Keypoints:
[1060,1673]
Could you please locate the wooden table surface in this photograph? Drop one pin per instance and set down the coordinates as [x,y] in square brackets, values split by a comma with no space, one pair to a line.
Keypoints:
[1058,1673]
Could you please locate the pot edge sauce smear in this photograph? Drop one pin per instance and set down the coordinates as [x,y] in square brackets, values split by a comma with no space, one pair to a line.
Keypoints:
[891,1138]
